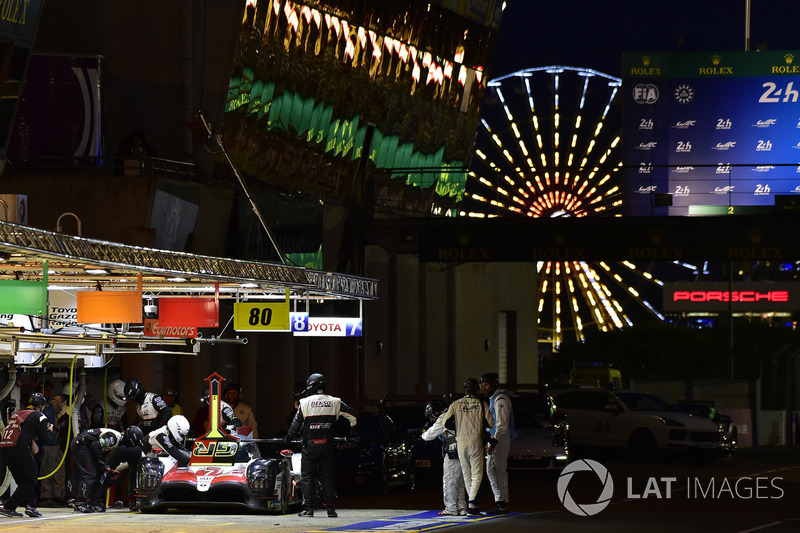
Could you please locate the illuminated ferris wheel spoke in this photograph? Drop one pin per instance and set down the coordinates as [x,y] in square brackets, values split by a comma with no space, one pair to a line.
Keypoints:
[548,146]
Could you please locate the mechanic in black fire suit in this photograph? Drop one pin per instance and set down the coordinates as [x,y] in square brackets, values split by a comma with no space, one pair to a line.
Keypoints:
[316,420]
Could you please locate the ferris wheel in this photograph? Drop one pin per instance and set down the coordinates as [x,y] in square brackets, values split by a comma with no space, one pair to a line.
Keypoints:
[548,145]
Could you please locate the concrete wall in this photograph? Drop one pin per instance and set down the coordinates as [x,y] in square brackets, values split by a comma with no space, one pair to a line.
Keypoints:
[437,324]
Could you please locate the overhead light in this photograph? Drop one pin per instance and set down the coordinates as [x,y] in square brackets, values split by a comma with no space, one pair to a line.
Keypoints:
[248,285]
[176,280]
[96,271]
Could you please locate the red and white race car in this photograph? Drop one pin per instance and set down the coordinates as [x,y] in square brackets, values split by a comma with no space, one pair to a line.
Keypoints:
[226,469]
[251,481]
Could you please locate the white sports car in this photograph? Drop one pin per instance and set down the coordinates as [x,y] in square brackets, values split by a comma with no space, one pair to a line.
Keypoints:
[542,434]
[639,422]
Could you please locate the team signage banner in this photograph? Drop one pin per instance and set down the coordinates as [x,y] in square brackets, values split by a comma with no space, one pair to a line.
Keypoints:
[156,329]
[327,326]
[739,296]
[718,132]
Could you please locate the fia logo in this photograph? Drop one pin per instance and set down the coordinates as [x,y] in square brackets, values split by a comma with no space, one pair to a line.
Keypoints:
[723,168]
[683,170]
[762,190]
[647,190]
[723,190]
[647,146]
[685,125]
[764,146]
[683,147]
[645,93]
[645,168]
[684,93]
[724,124]
[647,124]
[682,190]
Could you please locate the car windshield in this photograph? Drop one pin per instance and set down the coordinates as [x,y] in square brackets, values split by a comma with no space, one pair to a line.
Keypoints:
[640,401]
[531,411]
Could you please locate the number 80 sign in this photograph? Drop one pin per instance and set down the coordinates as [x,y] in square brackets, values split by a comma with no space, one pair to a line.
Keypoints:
[261,316]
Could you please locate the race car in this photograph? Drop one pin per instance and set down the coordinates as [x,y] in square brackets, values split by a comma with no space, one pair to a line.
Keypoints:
[252,481]
[226,470]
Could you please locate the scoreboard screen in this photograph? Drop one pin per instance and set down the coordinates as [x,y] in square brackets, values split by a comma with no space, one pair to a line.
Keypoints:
[710,133]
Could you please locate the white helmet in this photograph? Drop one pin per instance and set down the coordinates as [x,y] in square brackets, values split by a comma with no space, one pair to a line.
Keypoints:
[178,427]
[116,392]
[66,391]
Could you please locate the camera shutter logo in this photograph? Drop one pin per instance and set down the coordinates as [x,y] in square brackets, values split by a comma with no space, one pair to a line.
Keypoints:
[587,509]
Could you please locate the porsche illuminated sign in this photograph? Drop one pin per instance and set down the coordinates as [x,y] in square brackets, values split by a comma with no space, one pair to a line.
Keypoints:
[720,296]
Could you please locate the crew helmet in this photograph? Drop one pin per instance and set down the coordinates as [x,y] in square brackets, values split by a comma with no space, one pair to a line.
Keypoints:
[37,399]
[491,377]
[471,386]
[433,409]
[315,384]
[204,396]
[133,389]
[67,391]
[135,435]
[116,392]
[178,427]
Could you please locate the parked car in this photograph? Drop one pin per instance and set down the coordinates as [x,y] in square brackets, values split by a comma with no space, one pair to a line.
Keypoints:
[728,429]
[378,458]
[408,414]
[640,423]
[542,434]
[250,481]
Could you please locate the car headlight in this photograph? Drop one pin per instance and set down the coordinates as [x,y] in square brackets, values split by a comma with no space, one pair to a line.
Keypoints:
[670,422]
[261,475]
[151,470]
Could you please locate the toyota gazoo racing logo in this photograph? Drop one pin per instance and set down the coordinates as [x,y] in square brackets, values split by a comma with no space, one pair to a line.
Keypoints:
[585,509]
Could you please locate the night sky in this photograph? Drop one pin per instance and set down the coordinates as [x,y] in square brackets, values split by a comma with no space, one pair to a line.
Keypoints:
[595,33]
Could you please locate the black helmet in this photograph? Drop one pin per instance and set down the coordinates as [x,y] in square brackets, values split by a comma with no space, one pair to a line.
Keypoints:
[471,386]
[37,399]
[491,377]
[433,409]
[135,435]
[315,384]
[204,396]
[134,390]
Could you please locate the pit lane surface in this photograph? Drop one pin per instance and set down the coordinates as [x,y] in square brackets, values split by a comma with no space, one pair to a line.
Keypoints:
[659,497]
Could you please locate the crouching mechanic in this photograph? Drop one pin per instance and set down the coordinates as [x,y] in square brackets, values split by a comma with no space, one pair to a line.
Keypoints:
[317,416]
[455,501]
[170,439]
[124,459]
[89,470]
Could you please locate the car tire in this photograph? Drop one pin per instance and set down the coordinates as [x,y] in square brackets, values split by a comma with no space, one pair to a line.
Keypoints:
[285,488]
[643,446]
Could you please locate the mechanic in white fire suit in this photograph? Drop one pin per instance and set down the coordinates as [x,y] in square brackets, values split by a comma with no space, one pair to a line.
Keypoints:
[111,413]
[316,417]
[171,440]
[153,412]
[455,501]
[470,413]
[500,436]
